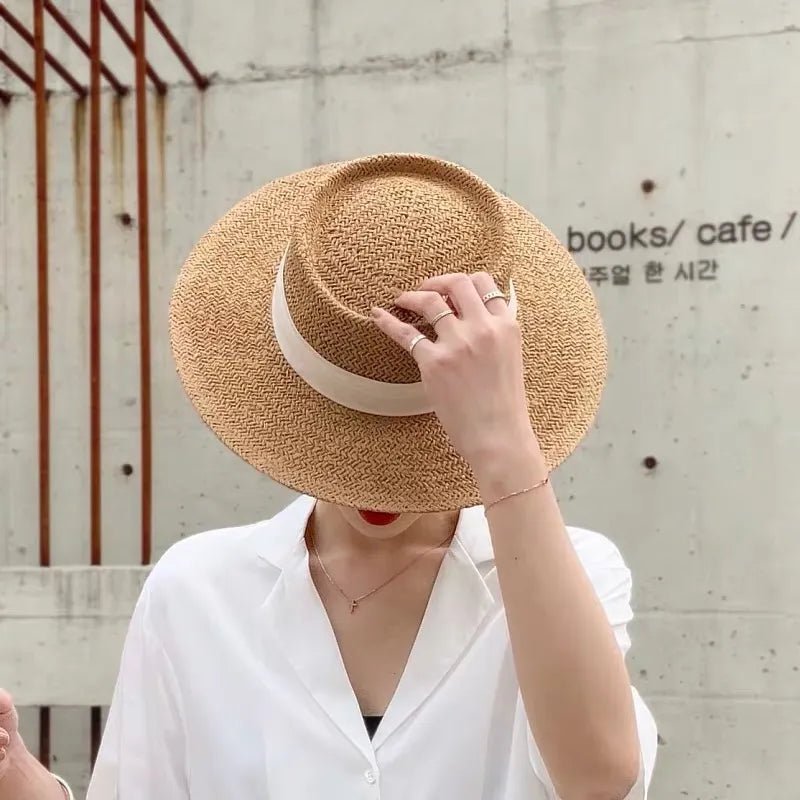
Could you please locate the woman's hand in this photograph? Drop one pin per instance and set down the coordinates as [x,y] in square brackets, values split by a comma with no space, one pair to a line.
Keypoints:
[473,371]
[22,777]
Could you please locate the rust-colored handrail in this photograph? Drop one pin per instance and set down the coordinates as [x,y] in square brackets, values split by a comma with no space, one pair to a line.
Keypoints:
[144,283]
[12,66]
[95,460]
[43,59]
[73,34]
[95,322]
[42,284]
[123,34]
[201,81]
[27,36]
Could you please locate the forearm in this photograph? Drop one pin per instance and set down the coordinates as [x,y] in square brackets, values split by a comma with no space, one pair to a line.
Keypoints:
[572,676]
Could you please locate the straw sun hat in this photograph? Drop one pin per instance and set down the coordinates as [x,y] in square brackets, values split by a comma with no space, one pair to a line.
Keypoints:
[274,344]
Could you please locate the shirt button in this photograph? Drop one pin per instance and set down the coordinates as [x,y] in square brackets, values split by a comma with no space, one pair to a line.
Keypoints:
[369,777]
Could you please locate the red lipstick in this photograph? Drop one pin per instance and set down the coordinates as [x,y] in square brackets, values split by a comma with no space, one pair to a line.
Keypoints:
[377,517]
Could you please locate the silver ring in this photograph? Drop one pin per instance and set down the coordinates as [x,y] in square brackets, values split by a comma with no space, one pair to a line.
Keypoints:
[415,341]
[494,294]
[441,315]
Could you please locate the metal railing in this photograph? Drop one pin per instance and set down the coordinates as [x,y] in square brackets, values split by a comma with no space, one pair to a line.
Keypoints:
[37,83]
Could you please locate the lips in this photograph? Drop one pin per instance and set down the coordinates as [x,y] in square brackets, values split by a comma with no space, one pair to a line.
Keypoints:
[377,517]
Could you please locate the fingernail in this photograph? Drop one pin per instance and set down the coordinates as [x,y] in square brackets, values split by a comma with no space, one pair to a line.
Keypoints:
[396,291]
[374,312]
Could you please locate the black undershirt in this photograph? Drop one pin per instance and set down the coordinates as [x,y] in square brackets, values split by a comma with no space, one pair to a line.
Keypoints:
[372,724]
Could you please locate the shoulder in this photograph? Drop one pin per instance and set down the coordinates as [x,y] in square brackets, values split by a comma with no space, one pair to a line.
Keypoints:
[225,560]
[595,550]
[202,560]
[600,557]
[207,549]
[608,572]
[203,580]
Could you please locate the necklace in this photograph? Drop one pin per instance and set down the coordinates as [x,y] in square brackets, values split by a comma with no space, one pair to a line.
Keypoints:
[354,602]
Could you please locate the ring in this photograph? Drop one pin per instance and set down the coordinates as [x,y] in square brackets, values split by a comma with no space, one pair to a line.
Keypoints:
[415,341]
[494,294]
[441,315]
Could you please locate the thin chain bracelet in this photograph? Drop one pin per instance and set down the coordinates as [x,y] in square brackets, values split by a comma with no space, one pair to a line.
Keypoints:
[64,787]
[533,488]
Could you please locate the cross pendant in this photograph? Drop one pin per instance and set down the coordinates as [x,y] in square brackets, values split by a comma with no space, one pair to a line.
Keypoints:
[353,605]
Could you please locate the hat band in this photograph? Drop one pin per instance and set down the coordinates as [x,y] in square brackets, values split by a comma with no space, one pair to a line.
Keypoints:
[345,388]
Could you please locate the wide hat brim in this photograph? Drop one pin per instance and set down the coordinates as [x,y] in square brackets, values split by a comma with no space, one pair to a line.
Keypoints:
[237,378]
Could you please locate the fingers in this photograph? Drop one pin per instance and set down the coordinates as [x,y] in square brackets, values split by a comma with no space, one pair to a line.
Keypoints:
[430,305]
[401,332]
[5,739]
[484,284]
[8,714]
[430,301]
[460,289]
[8,722]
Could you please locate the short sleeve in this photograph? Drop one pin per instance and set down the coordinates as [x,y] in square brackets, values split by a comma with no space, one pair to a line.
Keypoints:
[142,753]
[613,583]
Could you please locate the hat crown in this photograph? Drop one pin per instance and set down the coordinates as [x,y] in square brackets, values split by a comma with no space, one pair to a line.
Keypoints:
[380,224]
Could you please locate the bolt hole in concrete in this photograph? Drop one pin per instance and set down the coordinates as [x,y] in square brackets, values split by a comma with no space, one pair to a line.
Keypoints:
[650,462]
[648,185]
[127,469]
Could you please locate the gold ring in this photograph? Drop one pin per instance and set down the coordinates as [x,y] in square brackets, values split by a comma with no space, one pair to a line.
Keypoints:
[415,341]
[441,315]
[494,294]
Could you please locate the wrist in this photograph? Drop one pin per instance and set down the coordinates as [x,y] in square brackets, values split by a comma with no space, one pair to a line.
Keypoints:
[509,466]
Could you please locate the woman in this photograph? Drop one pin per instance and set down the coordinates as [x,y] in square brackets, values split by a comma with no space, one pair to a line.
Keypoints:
[424,346]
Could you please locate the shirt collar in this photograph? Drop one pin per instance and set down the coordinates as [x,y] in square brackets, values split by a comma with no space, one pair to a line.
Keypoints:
[278,538]
[464,595]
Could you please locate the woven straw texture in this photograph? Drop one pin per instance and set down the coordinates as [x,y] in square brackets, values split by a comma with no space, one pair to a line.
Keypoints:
[352,232]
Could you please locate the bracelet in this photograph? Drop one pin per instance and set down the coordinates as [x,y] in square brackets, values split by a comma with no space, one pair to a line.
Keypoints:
[533,488]
[65,786]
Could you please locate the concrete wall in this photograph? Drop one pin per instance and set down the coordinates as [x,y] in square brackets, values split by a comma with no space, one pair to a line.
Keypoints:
[569,107]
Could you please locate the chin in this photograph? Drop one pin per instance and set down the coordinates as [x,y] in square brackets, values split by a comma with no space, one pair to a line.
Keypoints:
[378,528]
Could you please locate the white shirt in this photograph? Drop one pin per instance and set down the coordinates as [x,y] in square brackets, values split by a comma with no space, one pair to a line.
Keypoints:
[232,685]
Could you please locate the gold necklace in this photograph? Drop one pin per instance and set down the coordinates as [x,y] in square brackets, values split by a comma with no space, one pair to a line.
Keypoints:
[354,602]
